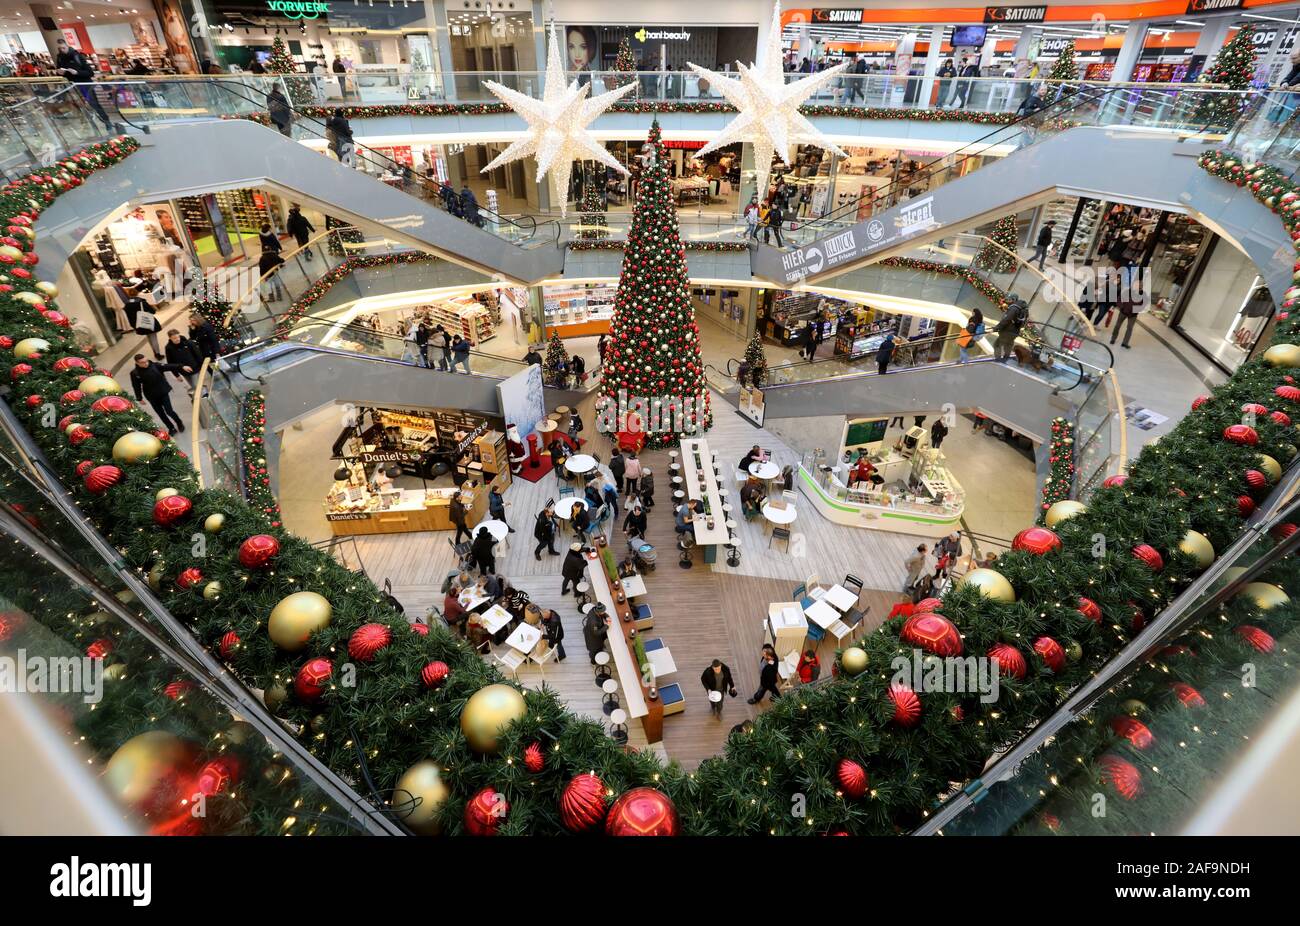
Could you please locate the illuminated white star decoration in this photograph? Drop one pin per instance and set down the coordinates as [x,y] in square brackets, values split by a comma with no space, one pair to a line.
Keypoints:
[769,116]
[557,125]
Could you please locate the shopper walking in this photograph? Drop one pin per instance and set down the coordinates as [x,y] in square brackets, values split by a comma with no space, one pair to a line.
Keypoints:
[554,630]
[281,113]
[544,532]
[938,431]
[1043,243]
[774,219]
[142,319]
[973,331]
[149,380]
[631,473]
[751,218]
[301,229]
[574,567]
[77,68]
[854,79]
[594,630]
[1008,329]
[809,667]
[497,507]
[460,352]
[342,72]
[482,552]
[469,206]
[716,679]
[616,465]
[884,354]
[184,353]
[456,512]
[1130,305]
[204,337]
[410,343]
[339,131]
[768,678]
[914,566]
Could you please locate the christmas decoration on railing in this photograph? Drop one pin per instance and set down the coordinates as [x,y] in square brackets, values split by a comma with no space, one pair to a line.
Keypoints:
[285,323]
[1059,482]
[257,475]
[717,247]
[443,742]
[995,295]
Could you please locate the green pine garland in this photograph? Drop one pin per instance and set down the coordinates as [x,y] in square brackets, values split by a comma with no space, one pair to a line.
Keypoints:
[1059,484]
[257,475]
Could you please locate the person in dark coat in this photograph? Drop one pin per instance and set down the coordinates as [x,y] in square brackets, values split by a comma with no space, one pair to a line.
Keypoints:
[184,353]
[938,431]
[149,380]
[204,337]
[544,531]
[469,206]
[299,226]
[456,511]
[717,677]
[497,507]
[635,522]
[77,68]
[554,632]
[594,631]
[532,356]
[574,568]
[768,678]
[581,521]
[280,112]
[482,550]
[616,464]
[884,354]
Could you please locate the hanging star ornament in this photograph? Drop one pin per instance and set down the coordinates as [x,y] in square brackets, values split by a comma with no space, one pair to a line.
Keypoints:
[557,125]
[768,107]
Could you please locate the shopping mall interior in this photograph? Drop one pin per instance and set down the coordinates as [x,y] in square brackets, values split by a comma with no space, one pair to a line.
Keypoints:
[450,417]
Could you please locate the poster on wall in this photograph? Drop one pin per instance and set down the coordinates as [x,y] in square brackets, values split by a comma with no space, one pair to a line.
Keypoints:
[751,404]
[521,402]
[176,34]
[581,48]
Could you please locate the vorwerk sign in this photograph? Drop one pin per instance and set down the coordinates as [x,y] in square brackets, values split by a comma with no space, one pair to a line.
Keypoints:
[298,9]
[1014,14]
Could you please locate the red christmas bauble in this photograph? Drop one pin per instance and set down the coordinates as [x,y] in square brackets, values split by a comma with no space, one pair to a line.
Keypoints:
[170,510]
[927,604]
[102,478]
[851,778]
[19,370]
[1090,609]
[534,760]
[112,404]
[84,467]
[367,640]
[33,401]
[1282,531]
[1149,555]
[219,775]
[189,577]
[72,395]
[1199,401]
[1241,434]
[434,674]
[229,644]
[57,318]
[420,630]
[1281,418]
[582,803]
[1036,540]
[309,683]
[177,688]
[63,364]
[907,705]
[1290,393]
[1245,506]
[1187,695]
[1111,482]
[258,550]
[1009,659]
[1121,775]
[1133,730]
[100,648]
[933,632]
[642,812]
[485,811]
[1254,408]
[1051,652]
[79,435]
[1260,639]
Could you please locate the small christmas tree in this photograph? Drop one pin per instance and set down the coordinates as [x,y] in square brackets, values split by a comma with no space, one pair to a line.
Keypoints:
[624,66]
[215,308]
[756,358]
[555,371]
[994,259]
[1065,69]
[593,213]
[1233,68]
[281,62]
[653,354]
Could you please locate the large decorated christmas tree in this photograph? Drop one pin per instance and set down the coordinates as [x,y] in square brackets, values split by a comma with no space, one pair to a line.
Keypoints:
[993,257]
[281,62]
[1064,69]
[208,302]
[653,355]
[555,368]
[624,66]
[756,358]
[1233,67]
[593,213]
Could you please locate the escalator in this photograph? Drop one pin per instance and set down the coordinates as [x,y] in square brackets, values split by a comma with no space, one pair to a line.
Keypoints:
[1073,148]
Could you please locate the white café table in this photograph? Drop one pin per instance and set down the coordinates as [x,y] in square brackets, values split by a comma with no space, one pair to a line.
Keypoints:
[840,597]
[580,464]
[494,619]
[564,507]
[634,586]
[498,529]
[784,515]
[821,613]
[629,676]
[708,494]
[469,601]
[661,662]
[524,639]
[767,470]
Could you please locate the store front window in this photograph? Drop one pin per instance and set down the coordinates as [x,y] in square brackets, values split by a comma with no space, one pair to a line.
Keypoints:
[1227,308]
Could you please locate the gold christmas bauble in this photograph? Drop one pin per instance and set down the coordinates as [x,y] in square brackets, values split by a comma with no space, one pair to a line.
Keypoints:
[1133,707]
[98,617]
[1265,595]
[274,696]
[489,711]
[1270,467]
[212,591]
[1198,547]
[213,523]
[1231,574]
[136,447]
[25,348]
[143,766]
[1283,355]
[165,493]
[29,297]
[418,795]
[1074,652]
[47,289]
[854,660]
[991,584]
[156,576]
[115,672]
[11,252]
[94,385]
[296,618]
[1063,511]
[240,731]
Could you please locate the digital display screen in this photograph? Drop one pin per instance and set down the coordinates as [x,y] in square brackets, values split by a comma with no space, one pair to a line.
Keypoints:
[968,36]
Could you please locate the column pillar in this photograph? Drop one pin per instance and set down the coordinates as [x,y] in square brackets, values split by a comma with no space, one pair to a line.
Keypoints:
[47,21]
[933,56]
[1029,36]
[1134,38]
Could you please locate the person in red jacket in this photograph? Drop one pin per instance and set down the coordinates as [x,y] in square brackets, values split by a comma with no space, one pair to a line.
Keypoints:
[809,667]
[452,610]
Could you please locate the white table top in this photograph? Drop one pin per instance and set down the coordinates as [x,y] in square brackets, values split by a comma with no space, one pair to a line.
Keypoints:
[493,619]
[840,597]
[634,586]
[524,638]
[786,614]
[564,507]
[628,673]
[546,425]
[661,662]
[821,614]
[765,470]
[498,529]
[691,481]
[580,463]
[469,600]
[784,515]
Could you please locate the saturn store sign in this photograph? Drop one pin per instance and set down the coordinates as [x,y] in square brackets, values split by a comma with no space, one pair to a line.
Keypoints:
[1014,14]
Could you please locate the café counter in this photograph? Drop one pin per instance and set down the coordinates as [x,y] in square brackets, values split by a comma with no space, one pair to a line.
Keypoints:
[934,507]
[407,510]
